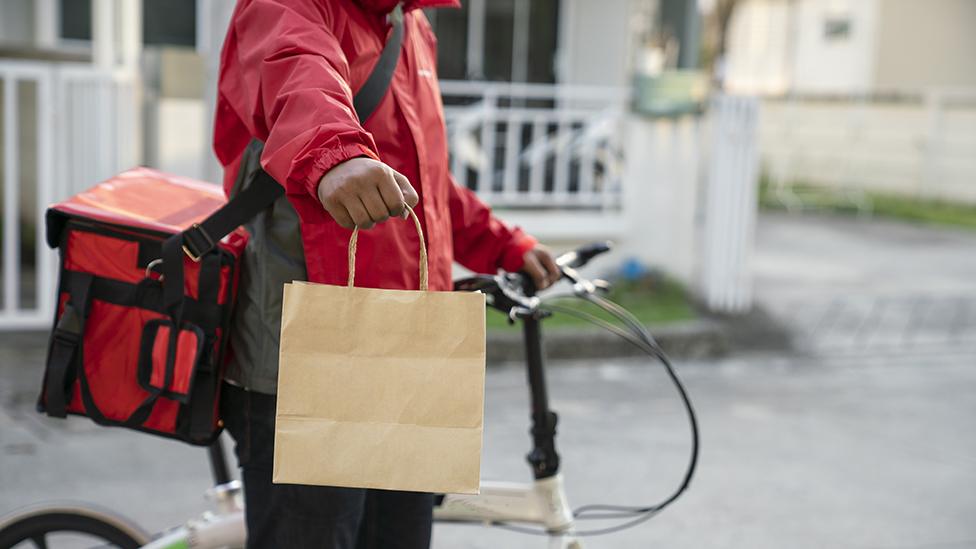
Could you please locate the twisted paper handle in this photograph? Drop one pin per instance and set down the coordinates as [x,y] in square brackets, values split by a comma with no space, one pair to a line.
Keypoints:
[423,252]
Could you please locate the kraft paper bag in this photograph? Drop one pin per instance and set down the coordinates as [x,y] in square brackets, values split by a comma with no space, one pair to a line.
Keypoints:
[380,388]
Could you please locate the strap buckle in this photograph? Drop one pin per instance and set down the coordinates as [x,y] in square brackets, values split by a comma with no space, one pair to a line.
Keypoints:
[196,242]
[68,328]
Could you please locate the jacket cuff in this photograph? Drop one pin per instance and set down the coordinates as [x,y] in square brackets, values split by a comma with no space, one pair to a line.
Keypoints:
[329,158]
[514,258]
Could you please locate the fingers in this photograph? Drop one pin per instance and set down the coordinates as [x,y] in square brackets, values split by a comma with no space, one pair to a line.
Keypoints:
[549,262]
[536,271]
[357,211]
[375,206]
[391,195]
[339,213]
[409,194]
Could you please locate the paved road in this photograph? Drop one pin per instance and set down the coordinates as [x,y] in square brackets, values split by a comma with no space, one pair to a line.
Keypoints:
[853,286]
[795,453]
[843,444]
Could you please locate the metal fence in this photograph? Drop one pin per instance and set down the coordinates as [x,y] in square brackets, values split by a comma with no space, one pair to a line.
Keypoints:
[64,126]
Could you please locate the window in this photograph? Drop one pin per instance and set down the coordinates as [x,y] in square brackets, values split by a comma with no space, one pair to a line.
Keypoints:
[837,27]
[164,22]
[501,40]
[76,23]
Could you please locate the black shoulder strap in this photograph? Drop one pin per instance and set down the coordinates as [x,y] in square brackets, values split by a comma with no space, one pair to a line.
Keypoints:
[369,96]
[264,190]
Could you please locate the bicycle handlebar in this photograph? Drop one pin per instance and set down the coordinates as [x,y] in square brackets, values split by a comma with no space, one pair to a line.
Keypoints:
[514,293]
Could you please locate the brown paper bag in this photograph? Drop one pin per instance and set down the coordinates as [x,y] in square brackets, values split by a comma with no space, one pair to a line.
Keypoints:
[380,388]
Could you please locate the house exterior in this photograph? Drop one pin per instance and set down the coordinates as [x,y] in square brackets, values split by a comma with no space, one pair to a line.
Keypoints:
[837,47]
[537,99]
[861,96]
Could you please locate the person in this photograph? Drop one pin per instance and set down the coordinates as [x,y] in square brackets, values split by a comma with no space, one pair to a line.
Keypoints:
[289,72]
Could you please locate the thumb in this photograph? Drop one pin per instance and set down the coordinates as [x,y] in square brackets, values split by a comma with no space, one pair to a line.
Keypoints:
[409,193]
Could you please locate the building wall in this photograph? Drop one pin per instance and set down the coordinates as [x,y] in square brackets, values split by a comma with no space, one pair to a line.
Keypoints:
[594,42]
[834,64]
[803,46]
[759,46]
[924,44]
[917,149]
[16,22]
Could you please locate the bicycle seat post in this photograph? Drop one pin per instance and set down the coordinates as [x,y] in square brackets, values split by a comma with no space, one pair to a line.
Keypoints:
[543,458]
[218,463]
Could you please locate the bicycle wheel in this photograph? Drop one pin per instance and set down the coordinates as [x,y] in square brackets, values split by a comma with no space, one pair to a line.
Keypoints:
[69,525]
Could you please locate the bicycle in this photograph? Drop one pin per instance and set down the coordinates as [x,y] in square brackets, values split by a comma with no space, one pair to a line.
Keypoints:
[512,505]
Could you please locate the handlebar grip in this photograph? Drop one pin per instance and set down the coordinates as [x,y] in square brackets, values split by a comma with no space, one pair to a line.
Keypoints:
[528,285]
[582,255]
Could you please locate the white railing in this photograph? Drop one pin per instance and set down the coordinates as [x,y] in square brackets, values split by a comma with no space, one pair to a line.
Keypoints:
[65,126]
[536,146]
[729,221]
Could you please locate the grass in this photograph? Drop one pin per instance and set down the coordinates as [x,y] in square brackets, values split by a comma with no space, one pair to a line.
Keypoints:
[934,212]
[655,300]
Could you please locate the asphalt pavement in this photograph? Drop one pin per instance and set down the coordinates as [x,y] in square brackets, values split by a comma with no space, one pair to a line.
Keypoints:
[843,442]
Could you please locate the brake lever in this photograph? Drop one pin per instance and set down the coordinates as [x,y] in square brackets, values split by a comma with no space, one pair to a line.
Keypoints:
[602,286]
[581,286]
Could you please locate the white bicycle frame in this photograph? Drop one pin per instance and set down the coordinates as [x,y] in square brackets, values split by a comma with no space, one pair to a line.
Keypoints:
[542,502]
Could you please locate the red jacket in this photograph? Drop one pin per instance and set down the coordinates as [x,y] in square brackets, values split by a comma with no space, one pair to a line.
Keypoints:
[289,69]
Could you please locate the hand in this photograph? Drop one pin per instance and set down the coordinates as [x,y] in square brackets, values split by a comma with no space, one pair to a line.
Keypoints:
[541,267]
[361,192]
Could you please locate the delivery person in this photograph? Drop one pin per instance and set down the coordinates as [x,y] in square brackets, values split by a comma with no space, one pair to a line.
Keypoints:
[289,72]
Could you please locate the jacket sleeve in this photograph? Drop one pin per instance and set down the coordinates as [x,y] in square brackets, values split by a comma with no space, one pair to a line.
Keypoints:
[482,242]
[297,82]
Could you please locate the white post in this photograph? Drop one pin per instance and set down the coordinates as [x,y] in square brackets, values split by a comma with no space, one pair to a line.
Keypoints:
[476,39]
[213,16]
[103,34]
[45,258]
[130,114]
[730,204]
[486,172]
[46,24]
[130,34]
[520,41]
[11,217]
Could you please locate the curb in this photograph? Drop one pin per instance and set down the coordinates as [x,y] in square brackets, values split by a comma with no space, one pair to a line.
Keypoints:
[695,339]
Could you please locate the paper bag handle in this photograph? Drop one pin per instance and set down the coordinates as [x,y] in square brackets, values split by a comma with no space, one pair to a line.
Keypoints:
[423,252]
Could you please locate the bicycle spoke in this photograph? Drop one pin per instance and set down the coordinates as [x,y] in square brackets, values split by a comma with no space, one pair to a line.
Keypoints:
[40,541]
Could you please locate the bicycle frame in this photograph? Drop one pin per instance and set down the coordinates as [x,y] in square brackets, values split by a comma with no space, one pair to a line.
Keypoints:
[542,502]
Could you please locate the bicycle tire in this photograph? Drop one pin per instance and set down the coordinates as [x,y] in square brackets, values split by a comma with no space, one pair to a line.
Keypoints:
[32,524]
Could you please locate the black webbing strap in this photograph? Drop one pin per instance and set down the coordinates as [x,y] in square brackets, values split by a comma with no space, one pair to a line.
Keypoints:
[264,190]
[203,390]
[65,356]
[369,96]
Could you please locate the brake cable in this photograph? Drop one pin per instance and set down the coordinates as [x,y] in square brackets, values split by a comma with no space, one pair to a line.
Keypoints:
[638,336]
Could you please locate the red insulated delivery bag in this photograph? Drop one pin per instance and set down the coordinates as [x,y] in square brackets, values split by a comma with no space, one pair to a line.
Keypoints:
[149,269]
[148,273]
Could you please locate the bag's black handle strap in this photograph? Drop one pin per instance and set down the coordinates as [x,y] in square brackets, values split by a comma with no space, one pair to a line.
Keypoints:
[65,360]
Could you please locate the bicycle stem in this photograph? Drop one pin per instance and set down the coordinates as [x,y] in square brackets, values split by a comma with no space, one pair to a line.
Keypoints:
[543,458]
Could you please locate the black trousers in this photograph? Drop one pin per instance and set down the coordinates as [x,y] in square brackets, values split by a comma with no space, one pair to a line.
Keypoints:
[288,516]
